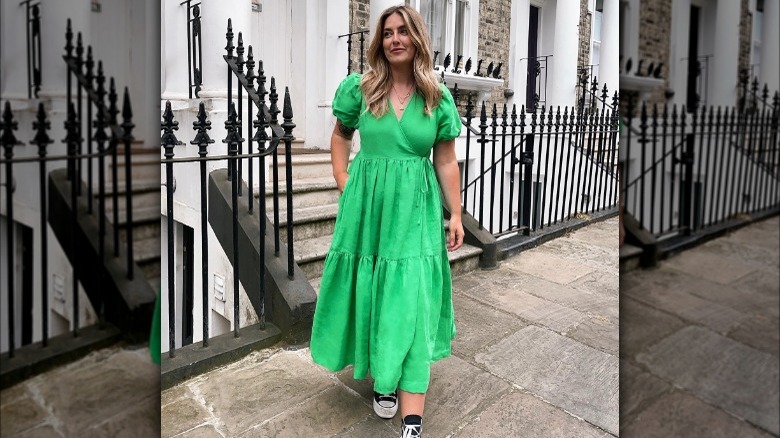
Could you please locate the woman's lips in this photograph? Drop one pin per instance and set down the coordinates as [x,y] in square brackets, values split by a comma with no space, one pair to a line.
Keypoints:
[396,50]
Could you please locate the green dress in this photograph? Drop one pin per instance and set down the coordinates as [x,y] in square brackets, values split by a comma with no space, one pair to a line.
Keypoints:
[385,300]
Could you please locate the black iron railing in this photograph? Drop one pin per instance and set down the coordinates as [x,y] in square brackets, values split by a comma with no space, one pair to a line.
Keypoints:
[34,69]
[361,55]
[105,119]
[559,162]
[752,96]
[257,132]
[536,82]
[194,47]
[699,169]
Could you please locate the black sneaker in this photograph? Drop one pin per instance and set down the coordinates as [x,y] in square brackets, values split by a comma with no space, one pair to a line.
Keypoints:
[411,427]
[386,405]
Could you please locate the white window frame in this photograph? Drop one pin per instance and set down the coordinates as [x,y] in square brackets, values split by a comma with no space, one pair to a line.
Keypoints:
[595,43]
[470,31]
[756,43]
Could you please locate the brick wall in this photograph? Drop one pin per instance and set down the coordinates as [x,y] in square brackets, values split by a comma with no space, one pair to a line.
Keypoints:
[586,22]
[655,32]
[745,37]
[493,41]
[359,20]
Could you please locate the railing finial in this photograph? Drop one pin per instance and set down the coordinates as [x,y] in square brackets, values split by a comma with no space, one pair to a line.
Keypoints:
[250,69]
[497,71]
[240,52]
[8,125]
[229,35]
[127,116]
[169,125]
[69,40]
[41,125]
[233,137]
[287,114]
[468,66]
[274,98]
[202,125]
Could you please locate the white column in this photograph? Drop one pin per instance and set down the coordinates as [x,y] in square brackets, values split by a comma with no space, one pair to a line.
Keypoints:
[173,51]
[564,60]
[610,39]
[215,15]
[13,51]
[770,55]
[54,21]
[518,49]
[723,88]
[377,7]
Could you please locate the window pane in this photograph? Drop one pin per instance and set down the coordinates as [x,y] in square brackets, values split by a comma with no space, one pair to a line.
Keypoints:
[460,18]
[434,14]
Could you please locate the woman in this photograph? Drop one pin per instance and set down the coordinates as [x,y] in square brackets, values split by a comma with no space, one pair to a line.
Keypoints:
[385,300]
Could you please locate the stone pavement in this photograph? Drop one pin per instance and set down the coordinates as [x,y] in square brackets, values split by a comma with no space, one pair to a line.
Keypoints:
[700,340]
[536,355]
[113,392]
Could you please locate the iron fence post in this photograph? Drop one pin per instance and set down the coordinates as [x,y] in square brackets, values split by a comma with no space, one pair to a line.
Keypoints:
[202,140]
[42,139]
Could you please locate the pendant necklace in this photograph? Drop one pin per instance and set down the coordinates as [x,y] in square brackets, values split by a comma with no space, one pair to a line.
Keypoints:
[402,100]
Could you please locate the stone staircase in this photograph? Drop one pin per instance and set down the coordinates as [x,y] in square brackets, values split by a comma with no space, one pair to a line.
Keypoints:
[315,200]
[146,210]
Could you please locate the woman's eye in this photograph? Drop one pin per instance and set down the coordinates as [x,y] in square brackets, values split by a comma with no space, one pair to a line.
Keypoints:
[403,32]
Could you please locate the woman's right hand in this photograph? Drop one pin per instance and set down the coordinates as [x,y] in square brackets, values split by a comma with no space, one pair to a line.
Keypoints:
[341,181]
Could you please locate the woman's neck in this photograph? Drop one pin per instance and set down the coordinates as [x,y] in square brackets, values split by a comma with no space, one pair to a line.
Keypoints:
[402,76]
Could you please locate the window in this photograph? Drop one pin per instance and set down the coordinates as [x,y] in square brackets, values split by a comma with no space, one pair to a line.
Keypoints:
[595,39]
[449,23]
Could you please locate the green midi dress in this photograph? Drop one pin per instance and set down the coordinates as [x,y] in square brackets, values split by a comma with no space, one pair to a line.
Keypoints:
[385,300]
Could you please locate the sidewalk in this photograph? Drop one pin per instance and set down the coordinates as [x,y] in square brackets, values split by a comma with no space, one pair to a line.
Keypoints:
[700,340]
[110,392]
[536,355]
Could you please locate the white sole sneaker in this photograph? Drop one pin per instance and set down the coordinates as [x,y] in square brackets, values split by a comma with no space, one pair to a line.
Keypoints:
[387,405]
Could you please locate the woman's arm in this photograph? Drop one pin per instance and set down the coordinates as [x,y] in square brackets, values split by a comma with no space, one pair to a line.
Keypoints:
[340,146]
[446,165]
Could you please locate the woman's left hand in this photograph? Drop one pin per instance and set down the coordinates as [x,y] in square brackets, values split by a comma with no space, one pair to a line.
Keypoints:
[455,235]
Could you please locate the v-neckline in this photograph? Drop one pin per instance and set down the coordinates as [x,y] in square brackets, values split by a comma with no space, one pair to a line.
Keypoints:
[408,104]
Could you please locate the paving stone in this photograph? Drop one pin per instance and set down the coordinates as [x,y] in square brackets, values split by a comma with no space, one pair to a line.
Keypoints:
[742,298]
[763,234]
[205,431]
[721,371]
[638,389]
[15,392]
[603,234]
[374,427]
[602,282]
[458,390]
[520,414]
[364,387]
[598,332]
[175,393]
[713,267]
[568,374]
[43,431]
[600,304]
[141,420]
[21,414]
[586,254]
[760,332]
[533,309]
[762,258]
[478,326]
[763,283]
[86,396]
[551,267]
[330,412]
[673,299]
[642,325]
[463,283]
[182,415]
[682,415]
[248,393]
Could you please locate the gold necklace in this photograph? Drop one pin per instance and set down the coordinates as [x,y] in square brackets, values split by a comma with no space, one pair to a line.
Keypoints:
[402,100]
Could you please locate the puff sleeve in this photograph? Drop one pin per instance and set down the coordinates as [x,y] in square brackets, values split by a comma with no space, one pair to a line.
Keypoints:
[448,119]
[347,101]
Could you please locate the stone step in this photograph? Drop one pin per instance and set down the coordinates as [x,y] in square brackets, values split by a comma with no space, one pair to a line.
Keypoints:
[629,257]
[309,192]
[308,165]
[145,165]
[310,256]
[309,222]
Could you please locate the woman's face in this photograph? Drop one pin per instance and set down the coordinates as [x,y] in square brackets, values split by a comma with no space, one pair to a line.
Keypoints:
[398,46]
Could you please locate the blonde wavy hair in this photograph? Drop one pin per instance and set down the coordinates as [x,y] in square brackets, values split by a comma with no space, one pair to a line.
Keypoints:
[377,82]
